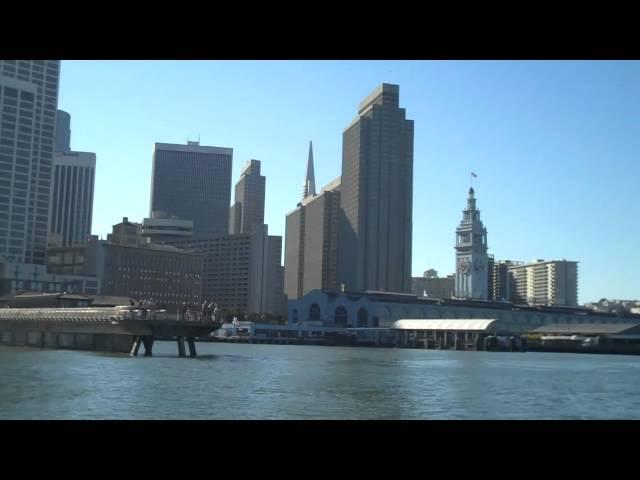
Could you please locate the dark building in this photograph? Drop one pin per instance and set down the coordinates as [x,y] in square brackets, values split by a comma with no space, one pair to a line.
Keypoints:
[63,132]
[72,198]
[311,242]
[28,104]
[248,210]
[162,273]
[376,198]
[66,260]
[499,279]
[71,189]
[491,262]
[127,265]
[193,182]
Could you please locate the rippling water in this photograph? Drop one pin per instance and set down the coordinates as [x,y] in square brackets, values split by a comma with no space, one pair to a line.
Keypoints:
[302,382]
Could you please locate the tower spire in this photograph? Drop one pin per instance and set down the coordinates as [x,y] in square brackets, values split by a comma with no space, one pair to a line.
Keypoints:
[309,187]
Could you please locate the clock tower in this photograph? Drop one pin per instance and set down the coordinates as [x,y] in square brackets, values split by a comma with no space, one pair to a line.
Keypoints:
[471,254]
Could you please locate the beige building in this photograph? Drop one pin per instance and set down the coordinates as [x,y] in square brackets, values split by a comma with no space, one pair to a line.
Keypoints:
[432,286]
[311,241]
[242,272]
[553,282]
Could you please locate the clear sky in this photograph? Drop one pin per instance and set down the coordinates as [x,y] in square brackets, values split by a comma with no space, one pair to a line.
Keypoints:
[555,145]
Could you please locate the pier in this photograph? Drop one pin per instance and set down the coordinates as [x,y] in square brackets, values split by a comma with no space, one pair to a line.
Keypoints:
[110,329]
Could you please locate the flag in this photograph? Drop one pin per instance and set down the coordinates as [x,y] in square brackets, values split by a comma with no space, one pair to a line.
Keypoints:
[474,175]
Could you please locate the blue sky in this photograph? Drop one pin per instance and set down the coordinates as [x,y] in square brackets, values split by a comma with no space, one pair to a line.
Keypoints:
[555,145]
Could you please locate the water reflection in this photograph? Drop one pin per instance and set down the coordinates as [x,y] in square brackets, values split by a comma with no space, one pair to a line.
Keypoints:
[273,381]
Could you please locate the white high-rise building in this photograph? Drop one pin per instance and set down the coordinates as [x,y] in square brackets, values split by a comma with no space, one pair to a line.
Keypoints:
[553,282]
[471,254]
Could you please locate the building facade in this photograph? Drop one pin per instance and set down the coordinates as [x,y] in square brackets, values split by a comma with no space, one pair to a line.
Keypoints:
[241,272]
[16,278]
[67,260]
[63,132]
[162,228]
[161,273]
[376,198]
[432,286]
[193,182]
[248,210]
[126,233]
[311,242]
[553,282]
[28,104]
[471,254]
[382,309]
[500,282]
[71,198]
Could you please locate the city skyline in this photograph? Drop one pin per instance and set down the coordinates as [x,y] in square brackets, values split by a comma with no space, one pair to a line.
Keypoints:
[452,138]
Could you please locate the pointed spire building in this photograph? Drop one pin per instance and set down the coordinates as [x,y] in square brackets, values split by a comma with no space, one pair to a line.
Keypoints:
[309,186]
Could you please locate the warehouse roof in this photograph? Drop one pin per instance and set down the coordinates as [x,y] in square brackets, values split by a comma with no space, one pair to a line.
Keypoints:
[450,324]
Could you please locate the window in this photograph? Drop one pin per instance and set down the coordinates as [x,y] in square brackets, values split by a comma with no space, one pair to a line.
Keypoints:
[363,318]
[314,313]
[341,317]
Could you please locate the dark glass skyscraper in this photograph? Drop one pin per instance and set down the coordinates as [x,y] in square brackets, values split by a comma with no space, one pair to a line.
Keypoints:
[28,104]
[193,182]
[72,198]
[72,187]
[376,199]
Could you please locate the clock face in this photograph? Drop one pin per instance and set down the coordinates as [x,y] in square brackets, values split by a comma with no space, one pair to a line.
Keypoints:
[478,266]
[464,266]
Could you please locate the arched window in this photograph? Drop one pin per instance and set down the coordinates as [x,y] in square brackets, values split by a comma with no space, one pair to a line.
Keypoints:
[295,315]
[376,322]
[341,316]
[314,312]
[363,317]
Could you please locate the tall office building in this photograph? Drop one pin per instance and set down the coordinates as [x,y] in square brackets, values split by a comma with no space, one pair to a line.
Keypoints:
[28,104]
[73,181]
[193,182]
[63,132]
[311,243]
[72,198]
[248,210]
[376,198]
[553,282]
[471,254]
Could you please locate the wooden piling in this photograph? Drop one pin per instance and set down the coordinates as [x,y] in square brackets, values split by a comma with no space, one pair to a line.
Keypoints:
[192,346]
[148,345]
[181,351]
[136,346]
